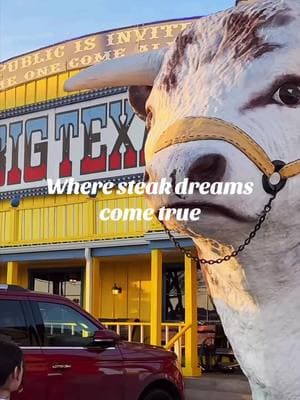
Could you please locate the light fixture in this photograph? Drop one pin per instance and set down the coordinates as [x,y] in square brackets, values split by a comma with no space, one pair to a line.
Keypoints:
[73,279]
[116,289]
[15,201]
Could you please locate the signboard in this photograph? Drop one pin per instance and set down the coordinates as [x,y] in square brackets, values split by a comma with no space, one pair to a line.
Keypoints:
[91,140]
[88,50]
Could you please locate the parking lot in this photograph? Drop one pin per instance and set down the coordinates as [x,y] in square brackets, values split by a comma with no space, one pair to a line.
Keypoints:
[217,387]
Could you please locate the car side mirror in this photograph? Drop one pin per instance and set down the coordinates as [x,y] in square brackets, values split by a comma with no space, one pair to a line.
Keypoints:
[105,338]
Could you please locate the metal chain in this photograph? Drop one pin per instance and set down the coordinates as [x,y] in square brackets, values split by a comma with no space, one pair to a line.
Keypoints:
[260,221]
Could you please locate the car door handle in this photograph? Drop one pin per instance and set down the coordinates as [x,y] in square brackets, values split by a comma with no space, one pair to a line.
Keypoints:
[61,366]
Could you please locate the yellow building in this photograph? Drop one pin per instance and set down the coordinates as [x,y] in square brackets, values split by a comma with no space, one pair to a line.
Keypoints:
[128,273]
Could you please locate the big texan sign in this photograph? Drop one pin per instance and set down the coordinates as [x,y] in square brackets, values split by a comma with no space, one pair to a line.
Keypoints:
[91,140]
[94,138]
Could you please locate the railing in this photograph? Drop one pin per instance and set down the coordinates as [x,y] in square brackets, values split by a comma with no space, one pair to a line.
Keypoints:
[131,331]
[70,327]
[172,334]
[61,326]
[177,343]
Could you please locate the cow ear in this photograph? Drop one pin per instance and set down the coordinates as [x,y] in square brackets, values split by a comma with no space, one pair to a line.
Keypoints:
[138,96]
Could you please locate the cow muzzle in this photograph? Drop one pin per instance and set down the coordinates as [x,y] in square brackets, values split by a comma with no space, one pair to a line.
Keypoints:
[275,173]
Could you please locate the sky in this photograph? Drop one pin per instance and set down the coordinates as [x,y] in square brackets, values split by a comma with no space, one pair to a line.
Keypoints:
[27,25]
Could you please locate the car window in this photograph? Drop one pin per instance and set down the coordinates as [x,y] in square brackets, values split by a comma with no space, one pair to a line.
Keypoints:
[64,326]
[12,323]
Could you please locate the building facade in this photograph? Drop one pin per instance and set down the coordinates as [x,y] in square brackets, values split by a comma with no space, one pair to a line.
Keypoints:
[126,273]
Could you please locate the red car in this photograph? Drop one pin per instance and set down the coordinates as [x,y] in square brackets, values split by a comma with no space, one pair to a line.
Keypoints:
[69,355]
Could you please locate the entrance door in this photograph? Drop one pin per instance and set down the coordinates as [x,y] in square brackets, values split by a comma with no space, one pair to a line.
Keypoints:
[65,282]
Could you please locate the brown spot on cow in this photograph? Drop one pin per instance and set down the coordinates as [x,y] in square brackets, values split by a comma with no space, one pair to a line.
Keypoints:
[169,81]
[239,37]
[242,33]
[280,19]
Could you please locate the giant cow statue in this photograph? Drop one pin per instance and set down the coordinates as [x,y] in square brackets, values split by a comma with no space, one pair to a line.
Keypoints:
[238,73]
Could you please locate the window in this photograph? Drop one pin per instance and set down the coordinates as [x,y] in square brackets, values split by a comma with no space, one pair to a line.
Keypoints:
[65,282]
[12,323]
[65,327]
[173,298]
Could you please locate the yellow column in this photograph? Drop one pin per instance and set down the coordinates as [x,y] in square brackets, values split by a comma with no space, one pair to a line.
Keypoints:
[191,339]
[92,285]
[12,273]
[156,297]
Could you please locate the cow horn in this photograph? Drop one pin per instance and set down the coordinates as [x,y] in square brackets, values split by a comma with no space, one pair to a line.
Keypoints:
[136,70]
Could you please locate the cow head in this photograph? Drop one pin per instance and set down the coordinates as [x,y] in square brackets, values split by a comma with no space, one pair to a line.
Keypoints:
[241,66]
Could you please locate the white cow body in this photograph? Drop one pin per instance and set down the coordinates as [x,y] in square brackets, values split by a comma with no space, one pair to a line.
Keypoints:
[258,295]
[230,66]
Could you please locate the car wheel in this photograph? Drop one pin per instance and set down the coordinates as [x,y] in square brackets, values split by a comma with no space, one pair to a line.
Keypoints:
[158,394]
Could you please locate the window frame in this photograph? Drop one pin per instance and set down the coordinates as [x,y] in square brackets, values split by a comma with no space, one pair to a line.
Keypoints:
[39,322]
[33,338]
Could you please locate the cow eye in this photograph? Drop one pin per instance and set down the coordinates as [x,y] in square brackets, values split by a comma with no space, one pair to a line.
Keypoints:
[288,94]
[149,118]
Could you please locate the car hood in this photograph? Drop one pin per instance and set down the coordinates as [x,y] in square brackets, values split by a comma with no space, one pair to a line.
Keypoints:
[139,351]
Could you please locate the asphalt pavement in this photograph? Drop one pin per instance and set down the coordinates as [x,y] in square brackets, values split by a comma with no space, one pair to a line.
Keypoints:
[217,387]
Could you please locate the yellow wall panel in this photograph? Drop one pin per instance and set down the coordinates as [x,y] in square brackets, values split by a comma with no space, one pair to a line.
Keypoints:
[76,225]
[107,282]
[145,296]
[28,226]
[20,96]
[2,101]
[61,80]
[5,223]
[60,222]
[10,98]
[134,286]
[70,220]
[30,92]
[37,222]
[50,223]
[52,83]
[41,90]
[121,300]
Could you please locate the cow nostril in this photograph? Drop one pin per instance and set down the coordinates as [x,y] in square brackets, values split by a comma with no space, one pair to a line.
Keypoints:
[208,168]
[146,177]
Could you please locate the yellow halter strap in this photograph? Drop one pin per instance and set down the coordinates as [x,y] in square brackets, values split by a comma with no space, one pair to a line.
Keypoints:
[202,128]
